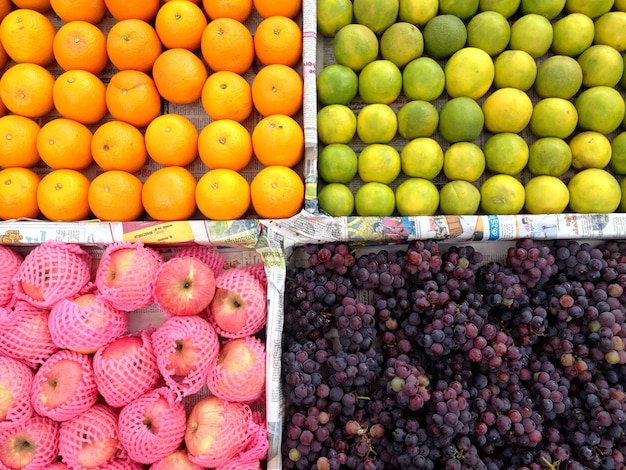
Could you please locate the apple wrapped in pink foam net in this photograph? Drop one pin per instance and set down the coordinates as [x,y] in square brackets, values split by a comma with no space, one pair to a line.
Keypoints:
[80,436]
[186,348]
[152,426]
[10,261]
[51,272]
[239,374]
[208,255]
[126,368]
[40,430]
[17,377]
[25,334]
[179,457]
[258,271]
[256,450]
[65,365]
[86,323]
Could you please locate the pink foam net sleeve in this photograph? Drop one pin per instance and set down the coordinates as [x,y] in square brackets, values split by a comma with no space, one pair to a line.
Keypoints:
[258,271]
[43,431]
[171,336]
[17,377]
[256,450]
[51,272]
[208,255]
[125,376]
[25,334]
[81,400]
[148,442]
[122,464]
[10,261]
[179,455]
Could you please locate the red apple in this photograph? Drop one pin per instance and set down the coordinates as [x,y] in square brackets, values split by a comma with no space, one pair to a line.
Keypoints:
[32,444]
[207,254]
[177,460]
[15,382]
[64,386]
[184,286]
[256,449]
[126,368]
[90,439]
[86,323]
[152,426]
[10,261]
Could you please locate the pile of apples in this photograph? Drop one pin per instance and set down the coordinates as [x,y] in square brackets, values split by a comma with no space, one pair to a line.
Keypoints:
[78,390]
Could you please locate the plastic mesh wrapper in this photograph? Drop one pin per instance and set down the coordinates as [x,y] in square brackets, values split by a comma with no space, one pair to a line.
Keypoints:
[125,275]
[80,436]
[57,466]
[208,255]
[258,271]
[121,464]
[51,272]
[10,261]
[200,347]
[58,366]
[17,377]
[238,287]
[25,334]
[239,374]
[179,456]
[43,431]
[146,442]
[256,450]
[86,323]
[126,369]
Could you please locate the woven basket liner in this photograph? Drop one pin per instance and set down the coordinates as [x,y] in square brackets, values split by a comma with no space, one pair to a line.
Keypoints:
[163,463]
[245,385]
[147,446]
[208,255]
[133,291]
[97,424]
[252,293]
[256,451]
[18,377]
[84,396]
[43,431]
[85,328]
[10,261]
[122,379]
[25,334]
[61,270]
[164,341]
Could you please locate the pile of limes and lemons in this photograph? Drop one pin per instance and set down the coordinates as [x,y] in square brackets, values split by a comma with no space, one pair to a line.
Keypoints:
[460,107]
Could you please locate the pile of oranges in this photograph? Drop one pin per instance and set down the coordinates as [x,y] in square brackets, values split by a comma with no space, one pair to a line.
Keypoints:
[58,111]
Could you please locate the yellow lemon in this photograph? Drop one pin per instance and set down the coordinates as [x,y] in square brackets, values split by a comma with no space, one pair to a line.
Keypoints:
[601,65]
[423,79]
[502,195]
[355,46]
[459,197]
[553,117]
[536,201]
[377,15]
[514,69]
[464,9]
[401,43]
[416,196]
[332,15]
[618,154]
[572,34]
[507,110]
[591,8]
[590,149]
[463,161]
[336,200]
[469,72]
[505,7]
[594,191]
[336,124]
[422,157]
[489,31]
[610,29]
[418,12]
[380,163]
[600,108]
[380,81]
[506,153]
[374,199]
[376,124]
[531,33]
[548,8]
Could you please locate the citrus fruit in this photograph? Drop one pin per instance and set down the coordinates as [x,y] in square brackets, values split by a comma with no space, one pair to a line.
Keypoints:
[461,119]
[422,157]
[227,44]
[171,140]
[355,46]
[277,89]
[132,96]
[594,190]
[80,45]
[380,81]
[590,149]
[83,10]
[118,145]
[553,117]
[65,143]
[336,124]
[81,96]
[443,36]
[223,194]
[236,9]
[26,89]
[337,84]
[337,163]
[423,79]
[336,200]
[227,95]
[277,192]
[374,199]
[169,193]
[464,9]
[225,143]
[417,118]
[505,7]
[332,15]
[514,69]
[376,123]
[507,110]
[115,196]
[572,34]
[536,201]
[591,9]
[489,31]
[27,35]
[18,141]
[378,15]
[179,75]
[278,40]
[610,29]
[62,195]
[531,33]
[380,163]
[41,6]
[463,161]
[278,139]
[401,43]
[289,8]
[469,72]
[418,12]
[601,65]
[600,108]
[18,193]
[416,196]
[506,152]
[459,197]
[502,195]
[549,156]
[618,154]
[133,44]
[558,76]
[180,23]
[121,9]
[548,8]
[622,186]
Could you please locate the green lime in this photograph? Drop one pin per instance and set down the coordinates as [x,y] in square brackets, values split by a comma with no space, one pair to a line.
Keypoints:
[337,163]
[459,197]
[401,43]
[558,76]
[422,157]
[618,154]
[378,15]
[380,163]
[594,191]
[417,196]
[376,124]
[443,36]
[572,34]
[601,65]
[505,7]
[549,156]
[461,119]
[336,200]
[423,79]
[332,15]
[600,108]
[374,199]
[355,46]
[489,31]
[380,81]
[337,84]
[536,201]
[336,124]
[417,119]
[553,117]
[506,152]
[502,195]
[464,161]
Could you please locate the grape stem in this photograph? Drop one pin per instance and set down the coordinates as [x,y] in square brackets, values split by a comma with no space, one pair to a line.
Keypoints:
[550,465]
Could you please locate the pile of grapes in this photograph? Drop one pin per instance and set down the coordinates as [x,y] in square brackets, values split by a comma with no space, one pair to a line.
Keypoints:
[416,358]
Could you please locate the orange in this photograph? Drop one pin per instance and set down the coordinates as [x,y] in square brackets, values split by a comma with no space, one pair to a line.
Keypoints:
[5,8]
[227,45]
[27,36]
[236,9]
[225,144]
[18,193]
[3,108]
[227,95]
[18,141]
[277,89]
[26,89]
[278,140]
[133,44]
[288,8]
[144,10]
[172,140]
[115,196]
[179,75]
[62,195]
[278,40]
[4,57]
[132,96]
[169,194]
[81,45]
[180,23]
[91,11]
[223,194]
[80,95]
[41,6]
[65,143]
[277,192]
[117,145]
